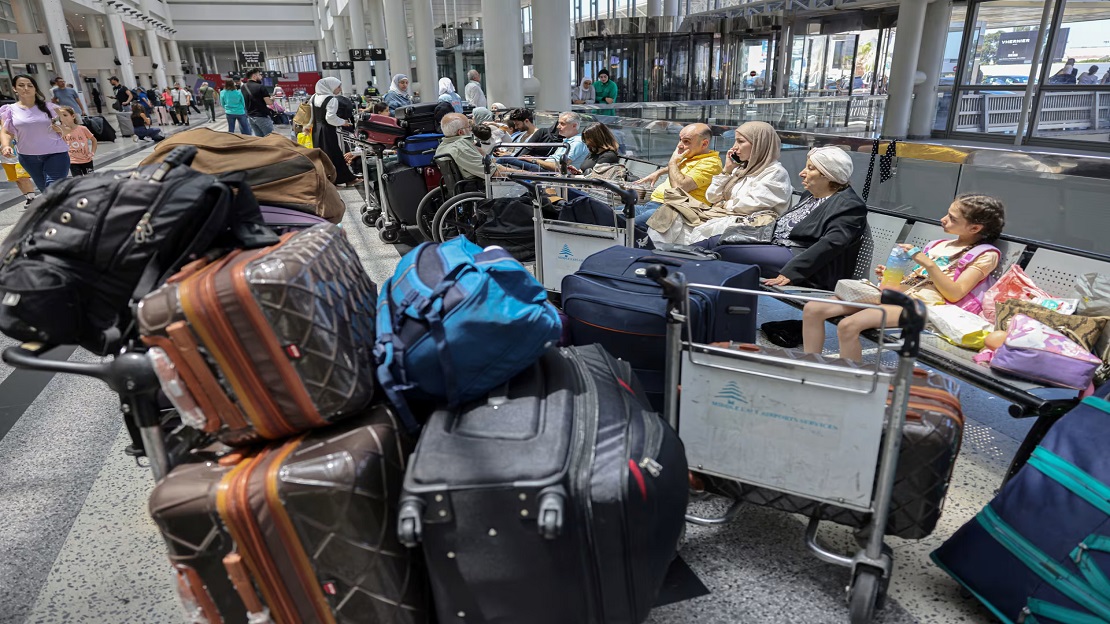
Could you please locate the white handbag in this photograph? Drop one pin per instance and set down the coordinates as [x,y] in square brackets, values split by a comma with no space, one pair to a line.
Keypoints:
[858,291]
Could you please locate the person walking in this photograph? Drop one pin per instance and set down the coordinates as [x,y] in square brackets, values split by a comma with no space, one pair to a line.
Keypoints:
[325,122]
[235,108]
[158,106]
[167,99]
[33,123]
[67,96]
[473,90]
[258,101]
[82,143]
[97,102]
[398,95]
[208,98]
[121,94]
[181,99]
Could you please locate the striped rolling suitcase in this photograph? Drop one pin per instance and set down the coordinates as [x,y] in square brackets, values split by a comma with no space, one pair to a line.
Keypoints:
[303,530]
[266,342]
[610,302]
[1040,551]
[931,437]
[559,498]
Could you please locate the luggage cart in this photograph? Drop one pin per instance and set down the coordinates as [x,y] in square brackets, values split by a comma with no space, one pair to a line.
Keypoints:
[561,246]
[808,429]
[376,212]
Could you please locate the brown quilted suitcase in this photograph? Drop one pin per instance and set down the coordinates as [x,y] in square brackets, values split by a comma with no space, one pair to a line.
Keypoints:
[268,342]
[305,530]
[931,438]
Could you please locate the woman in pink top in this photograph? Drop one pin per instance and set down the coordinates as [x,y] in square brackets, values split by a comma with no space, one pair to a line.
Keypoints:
[82,144]
[33,123]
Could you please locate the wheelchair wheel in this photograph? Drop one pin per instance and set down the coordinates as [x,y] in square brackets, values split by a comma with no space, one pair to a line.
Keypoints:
[457,217]
[426,212]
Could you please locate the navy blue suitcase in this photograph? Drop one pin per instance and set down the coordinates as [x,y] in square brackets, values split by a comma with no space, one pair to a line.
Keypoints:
[608,301]
[1040,551]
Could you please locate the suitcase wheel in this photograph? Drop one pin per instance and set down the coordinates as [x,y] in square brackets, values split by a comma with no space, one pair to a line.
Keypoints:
[550,520]
[409,528]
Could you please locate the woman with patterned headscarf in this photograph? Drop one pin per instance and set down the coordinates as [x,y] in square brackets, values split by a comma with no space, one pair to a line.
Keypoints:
[398,95]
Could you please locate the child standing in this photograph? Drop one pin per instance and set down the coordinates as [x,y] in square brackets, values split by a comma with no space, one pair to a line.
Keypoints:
[948,271]
[82,143]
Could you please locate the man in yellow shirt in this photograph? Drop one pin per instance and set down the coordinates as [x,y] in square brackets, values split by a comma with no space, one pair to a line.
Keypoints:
[690,168]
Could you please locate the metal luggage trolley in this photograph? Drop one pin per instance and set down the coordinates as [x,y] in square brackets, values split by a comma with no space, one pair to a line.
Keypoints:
[372,209]
[561,246]
[803,428]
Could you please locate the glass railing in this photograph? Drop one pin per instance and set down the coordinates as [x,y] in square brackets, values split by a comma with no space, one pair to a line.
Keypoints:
[1050,197]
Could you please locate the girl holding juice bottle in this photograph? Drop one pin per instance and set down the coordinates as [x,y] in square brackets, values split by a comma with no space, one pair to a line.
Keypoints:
[951,271]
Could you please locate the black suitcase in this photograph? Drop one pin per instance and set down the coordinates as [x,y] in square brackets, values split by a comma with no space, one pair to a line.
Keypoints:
[417,118]
[100,128]
[610,302]
[404,188]
[560,498]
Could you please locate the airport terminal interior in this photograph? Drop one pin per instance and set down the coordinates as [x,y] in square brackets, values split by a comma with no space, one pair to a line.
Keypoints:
[926,101]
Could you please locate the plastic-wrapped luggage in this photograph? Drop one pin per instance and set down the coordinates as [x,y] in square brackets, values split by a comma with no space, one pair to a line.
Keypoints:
[574,516]
[1040,551]
[610,302]
[931,438]
[126,127]
[268,342]
[100,128]
[309,522]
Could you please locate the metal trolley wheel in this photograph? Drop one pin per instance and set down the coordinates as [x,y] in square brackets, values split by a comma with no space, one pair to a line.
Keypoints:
[427,212]
[866,595]
[456,217]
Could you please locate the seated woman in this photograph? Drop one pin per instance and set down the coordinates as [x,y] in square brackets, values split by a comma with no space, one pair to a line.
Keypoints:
[948,271]
[447,94]
[815,243]
[143,129]
[602,146]
[753,181]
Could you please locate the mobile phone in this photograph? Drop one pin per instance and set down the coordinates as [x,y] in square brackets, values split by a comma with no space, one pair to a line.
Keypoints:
[57,121]
[735,158]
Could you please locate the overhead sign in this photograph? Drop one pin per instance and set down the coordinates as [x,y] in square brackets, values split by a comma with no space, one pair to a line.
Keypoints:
[251,58]
[337,65]
[273,74]
[368,54]
[1019,48]
[67,53]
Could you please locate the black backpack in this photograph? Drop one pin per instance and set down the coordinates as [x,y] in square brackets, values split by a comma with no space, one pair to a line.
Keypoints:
[90,247]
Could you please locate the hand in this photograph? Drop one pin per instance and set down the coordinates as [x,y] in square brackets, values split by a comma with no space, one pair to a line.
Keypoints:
[781,280]
[730,164]
[573,170]
[7,151]
[678,155]
[880,269]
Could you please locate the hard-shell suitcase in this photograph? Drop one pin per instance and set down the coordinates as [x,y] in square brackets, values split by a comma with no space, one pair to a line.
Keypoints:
[418,118]
[433,177]
[100,128]
[419,150]
[1040,551]
[126,127]
[309,523]
[282,220]
[268,342]
[404,188]
[560,498]
[610,302]
[931,438]
[381,129]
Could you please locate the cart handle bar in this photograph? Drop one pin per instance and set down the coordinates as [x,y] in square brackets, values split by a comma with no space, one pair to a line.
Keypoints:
[627,197]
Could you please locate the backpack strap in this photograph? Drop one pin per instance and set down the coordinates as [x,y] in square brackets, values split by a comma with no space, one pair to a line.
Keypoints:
[975,252]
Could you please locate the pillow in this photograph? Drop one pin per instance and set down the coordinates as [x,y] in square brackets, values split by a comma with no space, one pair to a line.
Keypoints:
[1085,330]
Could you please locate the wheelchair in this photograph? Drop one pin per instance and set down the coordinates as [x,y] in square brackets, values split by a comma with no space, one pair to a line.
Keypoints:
[448,210]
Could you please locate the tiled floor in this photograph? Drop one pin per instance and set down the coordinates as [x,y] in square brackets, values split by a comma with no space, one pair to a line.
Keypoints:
[76,544]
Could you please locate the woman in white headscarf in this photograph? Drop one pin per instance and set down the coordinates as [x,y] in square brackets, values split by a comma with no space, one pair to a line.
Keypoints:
[584,93]
[398,95]
[816,242]
[325,124]
[447,94]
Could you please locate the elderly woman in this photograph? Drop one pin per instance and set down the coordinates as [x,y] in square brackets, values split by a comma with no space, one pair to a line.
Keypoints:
[325,124]
[753,184]
[815,243]
[448,94]
[398,95]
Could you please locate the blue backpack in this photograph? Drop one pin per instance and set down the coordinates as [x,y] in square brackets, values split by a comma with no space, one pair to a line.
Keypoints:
[455,322]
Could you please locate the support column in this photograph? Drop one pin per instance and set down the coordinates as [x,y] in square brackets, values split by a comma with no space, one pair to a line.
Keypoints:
[376,18]
[118,36]
[24,21]
[341,46]
[156,58]
[655,8]
[329,53]
[96,40]
[397,34]
[785,47]
[504,43]
[192,56]
[551,67]
[56,34]
[670,8]
[423,34]
[903,69]
[934,37]
[176,75]
[358,40]
[135,38]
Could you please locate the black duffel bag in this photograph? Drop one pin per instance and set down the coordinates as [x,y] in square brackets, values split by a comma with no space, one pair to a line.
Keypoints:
[90,247]
[508,223]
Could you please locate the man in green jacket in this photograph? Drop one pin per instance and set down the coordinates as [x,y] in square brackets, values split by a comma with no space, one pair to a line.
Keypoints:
[606,90]
[208,96]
